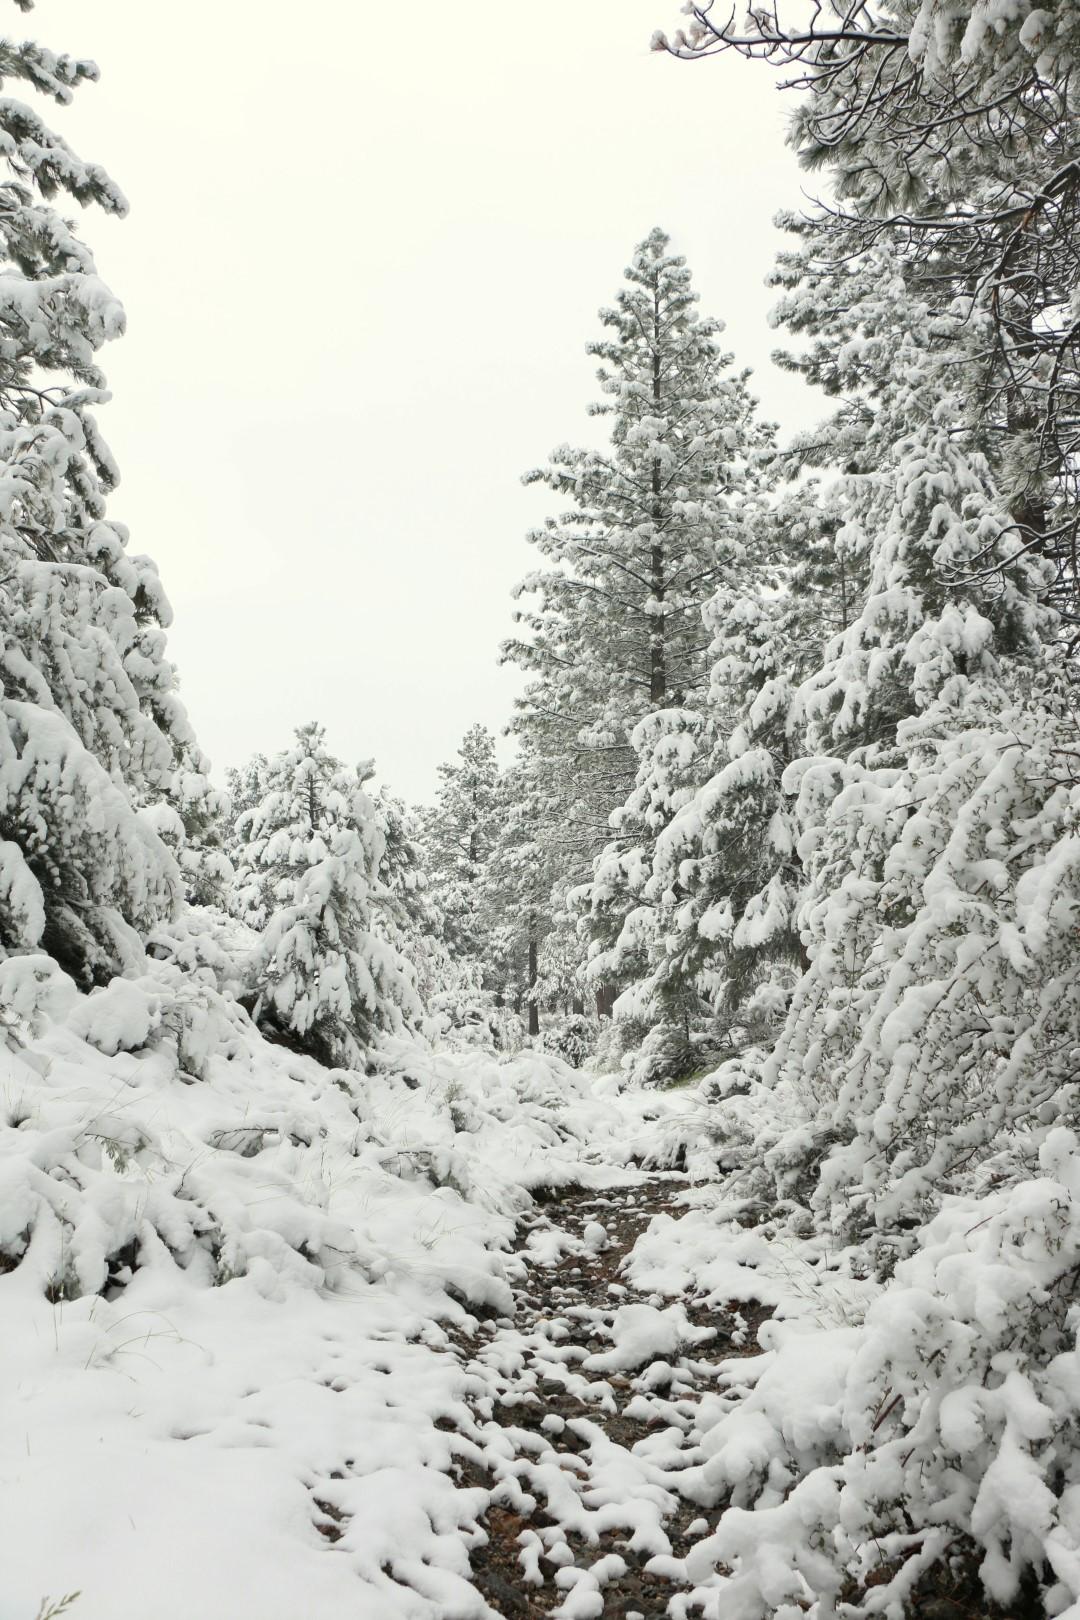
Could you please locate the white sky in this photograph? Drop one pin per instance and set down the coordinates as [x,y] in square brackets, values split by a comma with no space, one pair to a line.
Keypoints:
[360,269]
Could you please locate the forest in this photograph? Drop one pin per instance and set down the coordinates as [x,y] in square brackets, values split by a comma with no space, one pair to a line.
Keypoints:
[644,1180]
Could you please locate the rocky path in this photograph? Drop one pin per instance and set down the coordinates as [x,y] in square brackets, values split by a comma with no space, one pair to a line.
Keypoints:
[585,1417]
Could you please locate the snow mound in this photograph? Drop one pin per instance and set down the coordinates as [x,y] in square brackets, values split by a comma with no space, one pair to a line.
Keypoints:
[641,1334]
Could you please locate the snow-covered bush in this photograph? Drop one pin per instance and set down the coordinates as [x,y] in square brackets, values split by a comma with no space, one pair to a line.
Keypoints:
[667,1053]
[856,1456]
[617,1037]
[572,1037]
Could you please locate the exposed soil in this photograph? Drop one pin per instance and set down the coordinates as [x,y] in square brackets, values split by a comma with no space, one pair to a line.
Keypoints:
[549,1426]
[549,1410]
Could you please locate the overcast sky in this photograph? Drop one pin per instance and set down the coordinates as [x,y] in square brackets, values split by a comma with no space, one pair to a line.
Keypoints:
[360,269]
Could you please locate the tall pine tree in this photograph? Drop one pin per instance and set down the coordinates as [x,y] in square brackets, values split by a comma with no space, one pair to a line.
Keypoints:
[659,518]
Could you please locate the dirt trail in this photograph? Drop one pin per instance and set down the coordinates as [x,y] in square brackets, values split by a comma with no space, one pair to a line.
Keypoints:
[583,1462]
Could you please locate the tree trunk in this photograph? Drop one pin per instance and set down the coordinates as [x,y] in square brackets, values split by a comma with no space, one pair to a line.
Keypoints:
[1026,508]
[605,1000]
[657,648]
[534,973]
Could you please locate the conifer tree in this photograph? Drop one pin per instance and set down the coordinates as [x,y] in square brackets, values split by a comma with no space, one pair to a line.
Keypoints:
[874,555]
[246,785]
[309,878]
[524,877]
[448,984]
[658,520]
[90,725]
[983,219]
[623,921]
[692,906]
[460,833]
[195,823]
[931,796]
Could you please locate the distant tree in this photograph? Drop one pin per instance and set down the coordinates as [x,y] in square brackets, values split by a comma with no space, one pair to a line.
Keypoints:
[659,519]
[408,916]
[460,832]
[195,822]
[246,785]
[309,876]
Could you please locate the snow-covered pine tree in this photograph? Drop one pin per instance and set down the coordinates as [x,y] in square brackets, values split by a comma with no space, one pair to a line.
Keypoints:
[659,518]
[91,725]
[246,785]
[934,299]
[668,892]
[930,1049]
[903,726]
[929,1046]
[622,921]
[323,971]
[402,868]
[523,891]
[195,822]
[727,875]
[460,831]
[984,221]
[724,879]
[619,909]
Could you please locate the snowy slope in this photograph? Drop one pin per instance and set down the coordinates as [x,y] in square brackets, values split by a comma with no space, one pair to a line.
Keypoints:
[227,1277]
[225,1271]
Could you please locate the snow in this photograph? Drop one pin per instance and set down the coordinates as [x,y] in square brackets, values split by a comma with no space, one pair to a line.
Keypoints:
[233,1271]
[641,1333]
[258,1308]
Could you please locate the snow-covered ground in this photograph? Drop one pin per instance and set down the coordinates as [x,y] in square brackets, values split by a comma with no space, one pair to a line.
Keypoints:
[254,1309]
[226,1278]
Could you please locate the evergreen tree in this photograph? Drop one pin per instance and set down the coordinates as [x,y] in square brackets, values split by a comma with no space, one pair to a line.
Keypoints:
[875,555]
[659,520]
[460,833]
[901,721]
[246,786]
[623,922]
[983,219]
[309,877]
[91,725]
[448,984]
[195,823]
[523,876]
